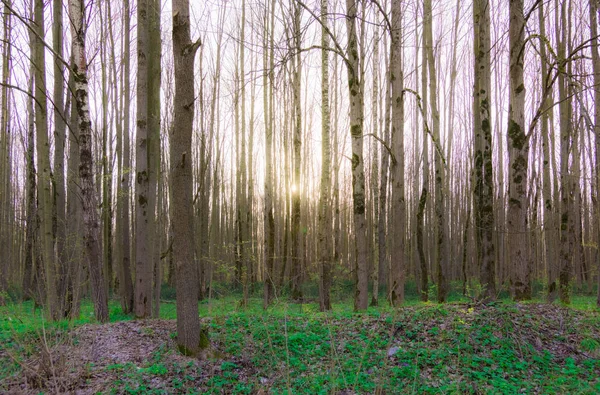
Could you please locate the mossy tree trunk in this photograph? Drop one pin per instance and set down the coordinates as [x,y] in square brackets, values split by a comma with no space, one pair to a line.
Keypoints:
[518,158]
[483,180]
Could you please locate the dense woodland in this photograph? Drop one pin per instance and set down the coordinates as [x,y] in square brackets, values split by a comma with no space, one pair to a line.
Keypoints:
[271,145]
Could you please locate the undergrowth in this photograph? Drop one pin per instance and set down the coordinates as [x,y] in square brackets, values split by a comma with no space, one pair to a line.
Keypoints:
[292,348]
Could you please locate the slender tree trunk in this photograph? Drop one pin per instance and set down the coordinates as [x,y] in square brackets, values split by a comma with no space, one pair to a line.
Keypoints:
[29,271]
[383,182]
[154,157]
[375,102]
[43,167]
[441,238]
[105,184]
[596,69]
[74,207]
[184,51]
[86,171]
[550,231]
[296,267]
[324,240]
[5,156]
[518,154]
[361,272]
[125,279]
[566,194]
[424,280]
[483,167]
[269,220]
[143,214]
[398,207]
[59,155]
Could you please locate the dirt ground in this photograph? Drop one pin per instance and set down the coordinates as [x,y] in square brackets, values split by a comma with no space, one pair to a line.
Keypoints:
[93,357]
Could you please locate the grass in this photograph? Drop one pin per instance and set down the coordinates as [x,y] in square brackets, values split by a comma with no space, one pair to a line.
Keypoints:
[293,348]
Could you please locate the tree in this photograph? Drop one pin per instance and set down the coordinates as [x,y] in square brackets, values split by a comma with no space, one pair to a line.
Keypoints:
[5,153]
[45,201]
[269,220]
[441,237]
[325,186]
[154,160]
[125,281]
[398,207]
[596,70]
[567,220]
[59,157]
[143,213]
[181,210]
[86,164]
[296,267]
[483,180]
[424,280]
[518,152]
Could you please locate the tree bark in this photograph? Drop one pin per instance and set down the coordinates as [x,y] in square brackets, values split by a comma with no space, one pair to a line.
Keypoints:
[181,209]
[143,213]
[596,70]
[45,202]
[154,157]
[361,272]
[296,267]
[398,206]
[482,167]
[86,170]
[5,156]
[518,157]
[567,220]
[324,240]
[269,219]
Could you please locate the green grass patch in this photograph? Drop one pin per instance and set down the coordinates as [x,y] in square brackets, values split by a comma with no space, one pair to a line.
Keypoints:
[290,348]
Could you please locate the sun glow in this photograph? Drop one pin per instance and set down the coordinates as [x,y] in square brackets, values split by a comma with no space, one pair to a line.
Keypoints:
[294,188]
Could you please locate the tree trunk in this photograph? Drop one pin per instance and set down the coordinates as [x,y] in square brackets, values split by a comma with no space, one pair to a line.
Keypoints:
[269,220]
[375,102]
[154,157]
[5,156]
[296,267]
[398,206]
[482,166]
[424,280]
[184,51]
[324,240]
[59,155]
[144,214]
[361,272]
[550,230]
[518,156]
[43,167]
[567,220]
[441,238]
[596,69]
[86,171]
[125,280]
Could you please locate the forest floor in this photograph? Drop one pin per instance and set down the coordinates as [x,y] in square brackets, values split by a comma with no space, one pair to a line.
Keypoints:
[457,347]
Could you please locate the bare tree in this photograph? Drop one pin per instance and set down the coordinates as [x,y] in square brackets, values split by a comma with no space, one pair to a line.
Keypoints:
[181,210]
[398,207]
[596,69]
[125,281]
[86,164]
[43,166]
[325,186]
[143,213]
[518,153]
[483,191]
[269,220]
